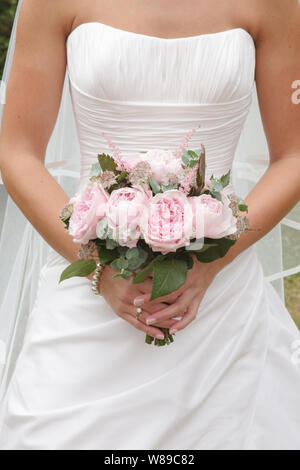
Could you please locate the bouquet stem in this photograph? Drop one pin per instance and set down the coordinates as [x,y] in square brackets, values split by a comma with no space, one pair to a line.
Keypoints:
[168,338]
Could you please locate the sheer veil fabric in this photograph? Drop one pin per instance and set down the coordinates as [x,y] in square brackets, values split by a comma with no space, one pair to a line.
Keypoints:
[23,252]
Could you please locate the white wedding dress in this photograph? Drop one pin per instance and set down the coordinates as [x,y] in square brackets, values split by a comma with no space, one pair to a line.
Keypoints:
[85,379]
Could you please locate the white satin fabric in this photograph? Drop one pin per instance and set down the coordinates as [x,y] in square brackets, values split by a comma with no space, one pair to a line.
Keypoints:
[85,379]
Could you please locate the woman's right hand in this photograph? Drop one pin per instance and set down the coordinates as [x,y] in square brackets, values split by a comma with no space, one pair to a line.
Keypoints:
[120,294]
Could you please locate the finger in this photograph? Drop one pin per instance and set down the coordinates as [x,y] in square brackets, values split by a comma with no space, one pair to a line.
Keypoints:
[146,299]
[174,310]
[187,318]
[148,330]
[142,317]
[153,308]
[160,324]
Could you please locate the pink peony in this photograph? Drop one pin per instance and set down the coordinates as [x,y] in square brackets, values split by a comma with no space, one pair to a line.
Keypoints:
[163,163]
[124,210]
[212,218]
[89,208]
[167,224]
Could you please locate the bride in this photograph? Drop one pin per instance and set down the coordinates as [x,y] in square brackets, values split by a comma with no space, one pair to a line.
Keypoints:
[146,73]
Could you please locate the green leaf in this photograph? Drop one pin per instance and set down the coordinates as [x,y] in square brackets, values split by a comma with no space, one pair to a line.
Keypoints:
[169,276]
[111,244]
[95,170]
[217,195]
[170,187]
[217,185]
[107,256]
[122,250]
[243,208]
[107,163]
[225,180]
[125,274]
[135,264]
[187,257]
[119,264]
[123,175]
[154,186]
[145,273]
[80,268]
[218,249]
[132,253]
[199,152]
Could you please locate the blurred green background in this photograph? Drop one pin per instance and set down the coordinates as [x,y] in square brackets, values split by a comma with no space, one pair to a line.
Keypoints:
[7,12]
[292,284]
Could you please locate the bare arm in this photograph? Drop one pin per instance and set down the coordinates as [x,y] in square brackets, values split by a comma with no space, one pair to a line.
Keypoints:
[278,66]
[33,99]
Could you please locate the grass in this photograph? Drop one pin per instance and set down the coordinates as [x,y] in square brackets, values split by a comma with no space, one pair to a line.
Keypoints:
[292,297]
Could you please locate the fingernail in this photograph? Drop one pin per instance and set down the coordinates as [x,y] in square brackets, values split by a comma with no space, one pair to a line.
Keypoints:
[150,321]
[138,302]
[173,332]
[160,337]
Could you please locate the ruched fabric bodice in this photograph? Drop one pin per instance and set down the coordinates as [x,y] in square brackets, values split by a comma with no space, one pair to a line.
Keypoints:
[147,92]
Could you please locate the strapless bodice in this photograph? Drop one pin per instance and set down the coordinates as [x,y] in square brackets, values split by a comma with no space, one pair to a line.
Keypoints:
[147,92]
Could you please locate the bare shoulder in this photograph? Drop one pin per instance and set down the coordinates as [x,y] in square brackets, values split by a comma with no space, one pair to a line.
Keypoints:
[271,18]
[48,15]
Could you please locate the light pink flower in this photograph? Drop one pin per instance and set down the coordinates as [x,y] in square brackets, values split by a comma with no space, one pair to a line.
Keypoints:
[89,208]
[212,218]
[124,210]
[167,224]
[163,164]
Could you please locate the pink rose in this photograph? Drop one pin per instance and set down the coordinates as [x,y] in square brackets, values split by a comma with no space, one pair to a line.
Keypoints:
[212,218]
[124,210]
[89,208]
[163,163]
[167,224]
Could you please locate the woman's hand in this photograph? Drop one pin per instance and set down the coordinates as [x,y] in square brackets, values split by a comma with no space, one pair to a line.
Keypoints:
[120,295]
[184,302]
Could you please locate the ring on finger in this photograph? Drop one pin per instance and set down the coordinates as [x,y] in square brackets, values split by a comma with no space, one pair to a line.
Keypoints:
[139,312]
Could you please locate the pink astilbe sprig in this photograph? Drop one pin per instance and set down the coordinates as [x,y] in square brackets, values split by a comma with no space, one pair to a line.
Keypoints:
[189,180]
[121,163]
[185,142]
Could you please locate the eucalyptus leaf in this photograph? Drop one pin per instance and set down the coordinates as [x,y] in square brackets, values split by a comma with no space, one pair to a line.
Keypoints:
[119,264]
[170,187]
[95,170]
[217,195]
[80,268]
[217,185]
[132,253]
[154,186]
[111,244]
[125,274]
[193,155]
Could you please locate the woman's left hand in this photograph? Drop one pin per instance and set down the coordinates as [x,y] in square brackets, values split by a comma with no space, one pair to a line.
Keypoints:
[185,301]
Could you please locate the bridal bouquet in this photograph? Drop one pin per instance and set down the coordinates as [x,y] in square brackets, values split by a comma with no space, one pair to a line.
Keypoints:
[153,213]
